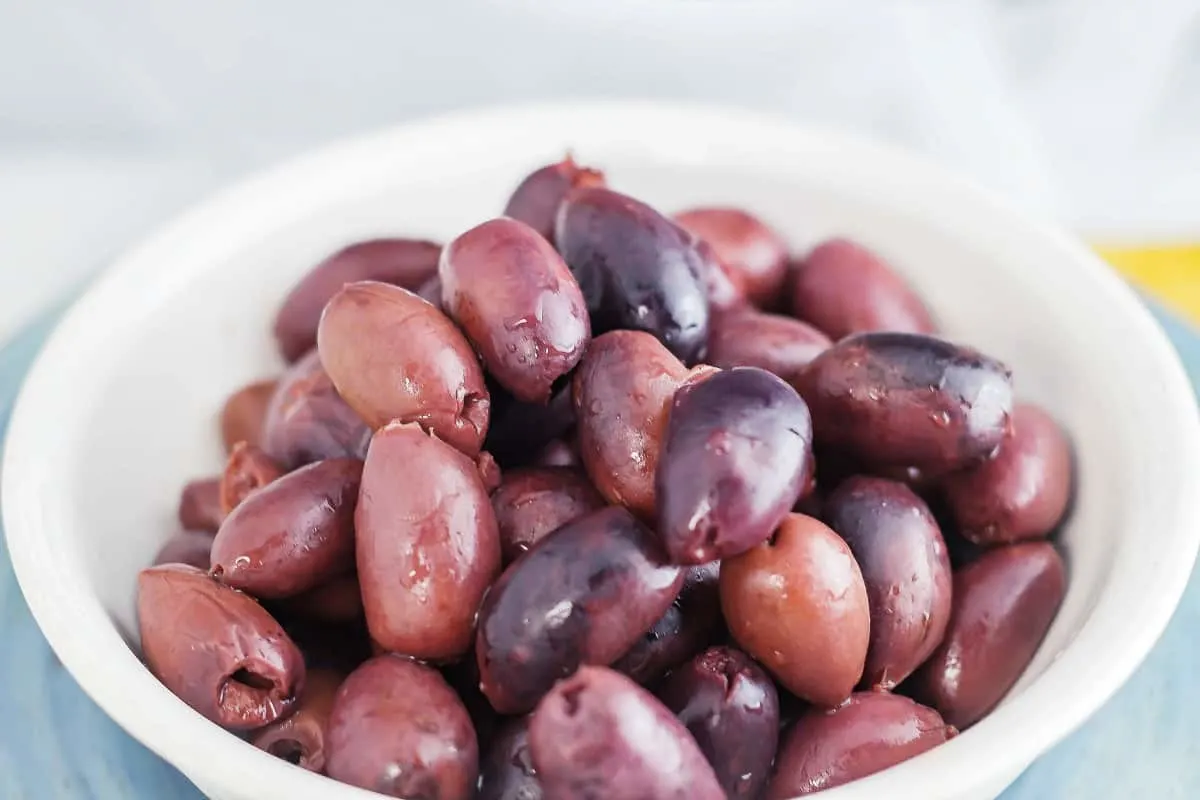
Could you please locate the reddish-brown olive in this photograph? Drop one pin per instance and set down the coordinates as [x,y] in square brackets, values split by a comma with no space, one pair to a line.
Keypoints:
[537,198]
[187,547]
[300,738]
[750,338]
[245,413]
[532,502]
[247,470]
[200,505]
[753,255]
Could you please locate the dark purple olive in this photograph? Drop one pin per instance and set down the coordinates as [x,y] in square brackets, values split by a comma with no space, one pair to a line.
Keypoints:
[599,735]
[582,595]
[1004,602]
[907,400]
[531,503]
[637,269]
[735,458]
[518,430]
[187,547]
[904,563]
[753,255]
[507,771]
[300,739]
[870,732]
[749,338]
[247,470]
[730,706]
[537,198]
[200,505]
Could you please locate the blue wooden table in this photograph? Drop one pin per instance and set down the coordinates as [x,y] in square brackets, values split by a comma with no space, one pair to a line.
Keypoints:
[55,744]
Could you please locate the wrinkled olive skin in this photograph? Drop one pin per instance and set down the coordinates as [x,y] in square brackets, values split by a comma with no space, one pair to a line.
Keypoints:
[300,739]
[200,505]
[245,413]
[247,469]
[193,548]
[904,562]
[842,288]
[637,269]
[797,604]
[688,625]
[598,734]
[427,544]
[338,601]
[507,771]
[292,535]
[247,674]
[622,393]
[735,458]
[907,400]
[403,262]
[582,595]
[749,338]
[871,732]
[518,430]
[1020,493]
[398,729]
[537,198]
[393,356]
[753,255]
[307,420]
[532,502]
[1004,603]
[730,706]
[511,293]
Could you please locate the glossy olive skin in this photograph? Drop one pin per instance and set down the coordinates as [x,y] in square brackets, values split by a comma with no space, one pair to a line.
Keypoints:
[688,625]
[200,505]
[537,198]
[518,430]
[307,420]
[292,535]
[582,595]
[393,356]
[637,269]
[750,338]
[622,391]
[247,469]
[753,255]
[398,729]
[735,458]
[1020,493]
[797,604]
[842,288]
[907,400]
[906,567]
[598,734]
[245,413]
[1004,603]
[507,771]
[532,502]
[300,738]
[729,705]
[403,262]
[248,673]
[871,732]
[193,548]
[511,293]
[426,554]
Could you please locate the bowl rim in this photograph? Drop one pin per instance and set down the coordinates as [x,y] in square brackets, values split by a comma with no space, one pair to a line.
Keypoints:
[85,640]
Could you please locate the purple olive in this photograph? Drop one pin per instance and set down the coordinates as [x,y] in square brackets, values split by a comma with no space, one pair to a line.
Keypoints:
[531,503]
[200,505]
[749,338]
[187,547]
[537,198]
[300,739]
[247,470]
[507,771]
[753,255]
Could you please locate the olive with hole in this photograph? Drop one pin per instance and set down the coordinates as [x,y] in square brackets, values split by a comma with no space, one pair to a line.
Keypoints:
[300,738]
[247,469]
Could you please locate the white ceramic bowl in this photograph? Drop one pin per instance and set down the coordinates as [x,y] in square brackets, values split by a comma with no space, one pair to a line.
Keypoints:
[120,407]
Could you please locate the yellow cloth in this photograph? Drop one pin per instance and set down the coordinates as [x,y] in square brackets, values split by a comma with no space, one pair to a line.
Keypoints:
[1169,273]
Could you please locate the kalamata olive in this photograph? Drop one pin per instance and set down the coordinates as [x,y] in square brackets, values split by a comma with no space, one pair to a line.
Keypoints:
[307,420]
[519,430]
[904,562]
[300,739]
[735,457]
[907,400]
[843,288]
[749,338]
[532,502]
[582,595]
[560,452]
[1020,493]
[246,673]
[187,547]
[398,729]
[797,603]
[753,255]
[537,198]
[200,505]
[730,706]
[507,771]
[428,546]
[638,270]
[687,626]
[339,600]
[393,356]
[869,733]
[245,413]
[598,734]
[404,262]
[1003,605]
[511,293]
[723,294]
[292,535]
[622,392]
[247,469]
